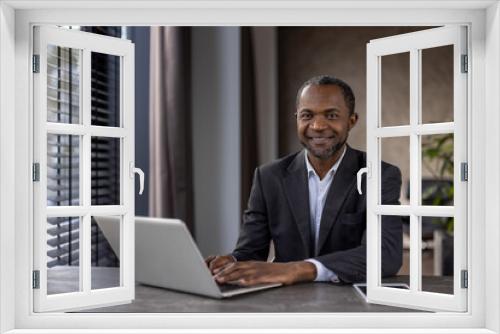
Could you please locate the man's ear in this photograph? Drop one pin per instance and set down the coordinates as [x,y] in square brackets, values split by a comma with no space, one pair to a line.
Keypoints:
[353,119]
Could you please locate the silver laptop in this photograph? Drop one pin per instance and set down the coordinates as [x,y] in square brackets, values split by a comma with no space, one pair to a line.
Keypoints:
[166,256]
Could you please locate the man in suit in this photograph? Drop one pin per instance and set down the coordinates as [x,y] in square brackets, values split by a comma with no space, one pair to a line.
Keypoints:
[307,203]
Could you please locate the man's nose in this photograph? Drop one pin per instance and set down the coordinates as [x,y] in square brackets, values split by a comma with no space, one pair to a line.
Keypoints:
[318,123]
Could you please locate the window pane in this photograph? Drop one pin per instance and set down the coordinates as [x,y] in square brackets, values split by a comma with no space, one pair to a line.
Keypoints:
[63,170]
[437,84]
[396,151]
[437,169]
[105,257]
[63,255]
[395,89]
[437,254]
[395,236]
[105,171]
[105,90]
[63,84]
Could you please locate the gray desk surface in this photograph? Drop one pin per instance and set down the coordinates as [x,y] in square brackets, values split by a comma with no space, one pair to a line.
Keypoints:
[306,297]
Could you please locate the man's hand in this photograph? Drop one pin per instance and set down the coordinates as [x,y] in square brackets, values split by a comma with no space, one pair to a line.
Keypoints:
[248,273]
[217,263]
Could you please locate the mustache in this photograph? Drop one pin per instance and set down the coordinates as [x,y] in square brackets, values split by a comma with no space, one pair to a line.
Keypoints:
[321,135]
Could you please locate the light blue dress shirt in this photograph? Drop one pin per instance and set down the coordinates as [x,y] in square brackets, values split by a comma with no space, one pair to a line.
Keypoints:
[318,190]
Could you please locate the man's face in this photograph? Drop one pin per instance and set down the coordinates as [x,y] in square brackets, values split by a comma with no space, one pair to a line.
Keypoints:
[323,120]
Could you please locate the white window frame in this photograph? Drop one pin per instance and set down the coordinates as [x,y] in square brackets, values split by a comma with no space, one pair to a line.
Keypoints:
[16,18]
[85,43]
[414,43]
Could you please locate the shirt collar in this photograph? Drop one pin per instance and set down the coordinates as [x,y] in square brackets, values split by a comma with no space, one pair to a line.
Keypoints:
[332,170]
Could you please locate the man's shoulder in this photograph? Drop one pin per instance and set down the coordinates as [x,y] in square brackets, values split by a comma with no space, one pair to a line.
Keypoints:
[280,165]
[387,168]
[360,156]
[297,159]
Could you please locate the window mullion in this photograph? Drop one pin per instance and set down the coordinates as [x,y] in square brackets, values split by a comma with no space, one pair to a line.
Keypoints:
[85,244]
[372,180]
[415,226]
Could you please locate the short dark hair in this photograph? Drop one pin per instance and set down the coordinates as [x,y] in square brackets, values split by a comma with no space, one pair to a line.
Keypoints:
[330,80]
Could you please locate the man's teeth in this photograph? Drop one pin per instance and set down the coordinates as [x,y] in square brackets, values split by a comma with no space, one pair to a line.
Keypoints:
[320,140]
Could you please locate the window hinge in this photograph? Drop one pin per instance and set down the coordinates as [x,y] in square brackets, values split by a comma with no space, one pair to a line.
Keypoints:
[36,172]
[465,279]
[36,279]
[36,63]
[464,171]
[465,64]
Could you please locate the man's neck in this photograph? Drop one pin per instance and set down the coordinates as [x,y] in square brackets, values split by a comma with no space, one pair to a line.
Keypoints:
[322,166]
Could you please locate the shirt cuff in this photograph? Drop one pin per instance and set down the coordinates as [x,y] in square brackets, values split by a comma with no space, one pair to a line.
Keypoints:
[323,274]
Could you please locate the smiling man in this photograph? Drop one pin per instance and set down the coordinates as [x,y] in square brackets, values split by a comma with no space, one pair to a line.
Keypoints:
[308,205]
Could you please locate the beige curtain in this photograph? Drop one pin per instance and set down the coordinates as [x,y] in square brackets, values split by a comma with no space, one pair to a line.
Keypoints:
[170,182]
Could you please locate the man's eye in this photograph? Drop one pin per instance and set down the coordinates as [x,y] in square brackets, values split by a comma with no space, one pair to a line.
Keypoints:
[305,116]
[331,116]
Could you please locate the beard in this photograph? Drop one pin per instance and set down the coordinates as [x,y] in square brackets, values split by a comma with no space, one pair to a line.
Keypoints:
[324,153]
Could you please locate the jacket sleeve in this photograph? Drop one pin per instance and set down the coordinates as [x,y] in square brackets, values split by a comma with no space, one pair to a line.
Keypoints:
[254,240]
[350,264]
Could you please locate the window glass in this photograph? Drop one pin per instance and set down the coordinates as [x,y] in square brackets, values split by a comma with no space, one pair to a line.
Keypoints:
[63,84]
[437,254]
[105,90]
[105,155]
[396,151]
[395,89]
[395,228]
[63,255]
[63,170]
[437,169]
[105,248]
[437,84]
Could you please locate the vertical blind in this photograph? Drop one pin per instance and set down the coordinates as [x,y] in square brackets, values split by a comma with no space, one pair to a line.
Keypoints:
[63,151]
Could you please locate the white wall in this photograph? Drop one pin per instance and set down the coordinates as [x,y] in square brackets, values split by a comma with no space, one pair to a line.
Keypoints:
[492,198]
[216,133]
[7,166]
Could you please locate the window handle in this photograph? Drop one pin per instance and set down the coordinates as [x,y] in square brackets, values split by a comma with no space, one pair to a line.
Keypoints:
[359,175]
[134,170]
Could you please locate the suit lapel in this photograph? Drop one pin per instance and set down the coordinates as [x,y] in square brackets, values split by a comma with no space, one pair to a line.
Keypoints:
[339,189]
[297,193]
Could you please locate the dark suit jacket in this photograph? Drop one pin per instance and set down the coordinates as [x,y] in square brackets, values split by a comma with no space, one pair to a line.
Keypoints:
[278,209]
